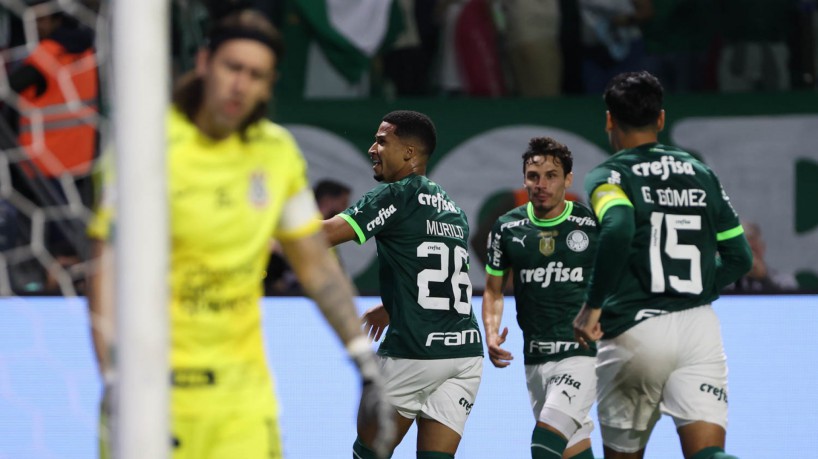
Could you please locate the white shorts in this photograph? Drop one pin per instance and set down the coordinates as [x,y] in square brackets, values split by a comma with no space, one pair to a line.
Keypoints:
[568,386]
[443,390]
[673,364]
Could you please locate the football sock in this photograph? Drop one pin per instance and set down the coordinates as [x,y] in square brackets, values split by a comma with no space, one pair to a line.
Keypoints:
[712,452]
[433,455]
[584,454]
[546,444]
[361,451]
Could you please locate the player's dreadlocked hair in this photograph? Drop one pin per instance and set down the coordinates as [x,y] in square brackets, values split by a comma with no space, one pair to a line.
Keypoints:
[546,146]
[414,124]
[634,99]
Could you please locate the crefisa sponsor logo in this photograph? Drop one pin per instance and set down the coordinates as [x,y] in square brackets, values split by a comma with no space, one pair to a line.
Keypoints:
[437,201]
[383,214]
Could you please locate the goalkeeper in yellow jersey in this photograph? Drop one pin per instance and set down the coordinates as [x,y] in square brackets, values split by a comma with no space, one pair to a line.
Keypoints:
[236,180]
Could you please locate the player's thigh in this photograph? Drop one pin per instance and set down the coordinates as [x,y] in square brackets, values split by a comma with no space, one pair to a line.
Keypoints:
[632,370]
[697,389]
[451,402]
[227,435]
[408,383]
[565,389]
[436,436]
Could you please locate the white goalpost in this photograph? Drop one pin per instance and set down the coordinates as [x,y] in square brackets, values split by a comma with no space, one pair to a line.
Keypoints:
[141,73]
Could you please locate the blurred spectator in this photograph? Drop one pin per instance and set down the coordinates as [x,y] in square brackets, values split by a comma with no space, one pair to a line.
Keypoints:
[58,82]
[332,198]
[448,77]
[755,56]
[532,30]
[50,134]
[679,41]
[611,38]
[478,56]
[408,63]
[761,278]
[571,47]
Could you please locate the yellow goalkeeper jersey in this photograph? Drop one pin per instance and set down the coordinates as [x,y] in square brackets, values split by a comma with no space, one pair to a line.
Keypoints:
[228,199]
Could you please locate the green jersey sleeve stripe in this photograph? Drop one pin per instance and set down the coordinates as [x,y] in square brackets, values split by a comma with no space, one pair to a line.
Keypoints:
[495,272]
[729,234]
[611,203]
[354,225]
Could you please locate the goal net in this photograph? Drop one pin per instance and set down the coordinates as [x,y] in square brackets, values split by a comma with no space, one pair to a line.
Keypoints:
[80,77]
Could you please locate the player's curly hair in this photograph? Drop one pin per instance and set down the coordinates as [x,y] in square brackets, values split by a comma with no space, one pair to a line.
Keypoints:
[634,99]
[414,124]
[546,146]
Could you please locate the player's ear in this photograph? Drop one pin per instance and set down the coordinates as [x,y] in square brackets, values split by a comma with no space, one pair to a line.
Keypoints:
[660,122]
[609,123]
[409,152]
[569,179]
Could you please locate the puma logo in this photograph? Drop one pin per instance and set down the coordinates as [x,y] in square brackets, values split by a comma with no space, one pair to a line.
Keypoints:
[569,396]
[357,211]
[520,240]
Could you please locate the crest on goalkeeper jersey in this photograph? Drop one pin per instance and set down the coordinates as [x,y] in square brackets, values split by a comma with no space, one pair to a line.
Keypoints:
[258,193]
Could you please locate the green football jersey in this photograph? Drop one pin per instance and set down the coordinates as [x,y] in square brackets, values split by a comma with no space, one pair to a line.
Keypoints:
[681,212]
[421,236]
[550,261]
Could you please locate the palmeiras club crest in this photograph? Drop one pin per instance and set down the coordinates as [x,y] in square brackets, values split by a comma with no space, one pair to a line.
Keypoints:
[548,242]
[577,240]
[258,193]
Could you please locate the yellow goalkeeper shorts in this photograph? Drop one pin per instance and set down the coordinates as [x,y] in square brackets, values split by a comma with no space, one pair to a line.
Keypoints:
[225,435]
[217,436]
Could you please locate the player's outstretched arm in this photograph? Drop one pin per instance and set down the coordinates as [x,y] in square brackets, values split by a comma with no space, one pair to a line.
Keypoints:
[338,231]
[322,279]
[492,316]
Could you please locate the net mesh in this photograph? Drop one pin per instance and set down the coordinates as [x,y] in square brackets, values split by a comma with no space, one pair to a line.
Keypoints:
[52,128]
[50,132]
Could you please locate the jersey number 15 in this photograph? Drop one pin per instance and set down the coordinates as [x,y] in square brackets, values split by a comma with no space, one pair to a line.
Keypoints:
[674,250]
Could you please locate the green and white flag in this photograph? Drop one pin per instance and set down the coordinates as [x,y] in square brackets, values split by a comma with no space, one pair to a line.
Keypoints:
[339,39]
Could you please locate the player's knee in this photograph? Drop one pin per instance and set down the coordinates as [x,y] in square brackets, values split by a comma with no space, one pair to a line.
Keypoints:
[361,451]
[433,455]
[712,452]
[559,421]
[624,440]
[546,444]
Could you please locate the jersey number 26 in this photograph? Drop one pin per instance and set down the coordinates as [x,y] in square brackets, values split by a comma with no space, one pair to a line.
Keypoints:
[458,278]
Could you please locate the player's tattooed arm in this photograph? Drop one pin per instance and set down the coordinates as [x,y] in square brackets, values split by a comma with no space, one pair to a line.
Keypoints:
[321,277]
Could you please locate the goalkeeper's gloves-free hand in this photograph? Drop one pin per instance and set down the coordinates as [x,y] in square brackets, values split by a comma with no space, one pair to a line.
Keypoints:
[375,407]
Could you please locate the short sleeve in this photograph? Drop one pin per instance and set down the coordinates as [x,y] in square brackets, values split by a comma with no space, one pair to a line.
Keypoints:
[497,263]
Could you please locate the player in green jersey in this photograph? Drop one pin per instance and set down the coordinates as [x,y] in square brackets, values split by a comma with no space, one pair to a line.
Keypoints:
[669,241]
[432,354]
[549,245]
[235,181]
